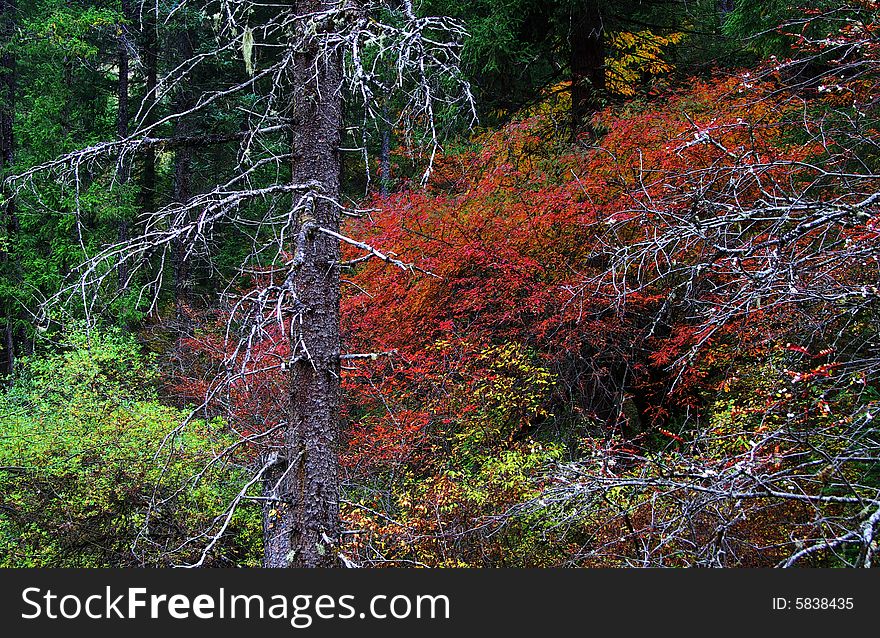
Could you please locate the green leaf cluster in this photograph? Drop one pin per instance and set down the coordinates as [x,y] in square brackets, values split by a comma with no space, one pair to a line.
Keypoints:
[82,483]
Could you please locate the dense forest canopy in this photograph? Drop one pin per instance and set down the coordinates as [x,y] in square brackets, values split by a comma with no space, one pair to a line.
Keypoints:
[441,283]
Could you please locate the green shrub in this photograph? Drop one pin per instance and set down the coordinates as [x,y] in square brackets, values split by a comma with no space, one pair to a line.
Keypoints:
[82,481]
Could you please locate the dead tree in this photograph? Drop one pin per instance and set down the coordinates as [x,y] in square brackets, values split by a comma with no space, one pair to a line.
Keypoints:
[305,496]
[300,61]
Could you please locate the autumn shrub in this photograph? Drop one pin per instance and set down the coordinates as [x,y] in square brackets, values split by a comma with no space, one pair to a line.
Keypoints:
[700,285]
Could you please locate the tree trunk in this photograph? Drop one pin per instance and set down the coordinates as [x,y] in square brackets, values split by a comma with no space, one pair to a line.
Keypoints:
[302,526]
[122,126]
[587,61]
[149,48]
[10,266]
[182,176]
[385,154]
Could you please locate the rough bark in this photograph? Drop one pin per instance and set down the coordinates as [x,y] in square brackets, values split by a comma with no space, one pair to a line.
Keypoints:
[302,525]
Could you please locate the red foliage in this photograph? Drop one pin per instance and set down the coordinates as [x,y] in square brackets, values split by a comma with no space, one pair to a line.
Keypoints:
[529,239]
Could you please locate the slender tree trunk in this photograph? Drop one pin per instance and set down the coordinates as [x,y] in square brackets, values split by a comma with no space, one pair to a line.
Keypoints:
[10,265]
[302,526]
[587,61]
[183,157]
[385,154]
[150,53]
[122,129]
